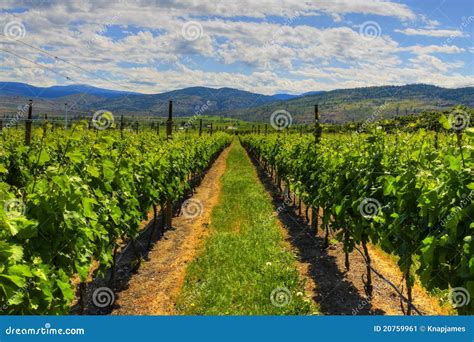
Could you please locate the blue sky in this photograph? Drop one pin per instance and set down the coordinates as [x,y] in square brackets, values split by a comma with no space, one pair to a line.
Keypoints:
[262,46]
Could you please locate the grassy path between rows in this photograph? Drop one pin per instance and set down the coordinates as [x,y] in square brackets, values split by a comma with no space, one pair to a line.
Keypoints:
[245,267]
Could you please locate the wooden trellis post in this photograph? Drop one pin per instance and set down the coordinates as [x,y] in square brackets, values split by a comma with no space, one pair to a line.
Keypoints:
[317,139]
[45,125]
[317,125]
[169,135]
[169,123]
[28,123]
[121,126]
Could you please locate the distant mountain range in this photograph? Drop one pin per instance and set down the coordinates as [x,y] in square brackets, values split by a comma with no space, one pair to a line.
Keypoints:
[336,106]
[23,89]
[187,101]
[292,96]
[343,105]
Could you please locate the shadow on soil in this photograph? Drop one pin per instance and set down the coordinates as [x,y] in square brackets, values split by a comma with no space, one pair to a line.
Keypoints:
[98,297]
[334,294]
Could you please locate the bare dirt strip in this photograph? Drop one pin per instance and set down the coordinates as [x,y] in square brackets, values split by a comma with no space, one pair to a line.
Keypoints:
[152,291]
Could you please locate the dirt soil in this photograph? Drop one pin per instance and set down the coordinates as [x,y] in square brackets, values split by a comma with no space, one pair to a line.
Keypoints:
[334,290]
[154,288]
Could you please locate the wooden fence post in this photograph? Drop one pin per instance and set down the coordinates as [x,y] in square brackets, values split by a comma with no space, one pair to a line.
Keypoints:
[45,125]
[317,139]
[121,126]
[28,123]
[200,127]
[65,116]
[169,123]
[317,126]
[169,135]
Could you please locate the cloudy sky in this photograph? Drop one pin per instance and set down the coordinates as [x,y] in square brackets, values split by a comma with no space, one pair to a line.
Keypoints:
[266,46]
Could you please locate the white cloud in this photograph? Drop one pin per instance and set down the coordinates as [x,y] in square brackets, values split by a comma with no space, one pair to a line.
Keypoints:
[428,49]
[285,56]
[228,8]
[435,64]
[431,32]
[430,23]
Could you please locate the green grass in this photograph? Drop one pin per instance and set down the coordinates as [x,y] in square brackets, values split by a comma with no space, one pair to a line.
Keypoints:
[245,258]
